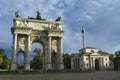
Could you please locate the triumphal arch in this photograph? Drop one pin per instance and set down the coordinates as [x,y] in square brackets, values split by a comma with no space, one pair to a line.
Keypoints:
[49,34]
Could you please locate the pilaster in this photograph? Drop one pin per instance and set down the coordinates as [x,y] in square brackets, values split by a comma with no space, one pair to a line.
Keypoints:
[61,66]
[13,65]
[27,56]
[49,65]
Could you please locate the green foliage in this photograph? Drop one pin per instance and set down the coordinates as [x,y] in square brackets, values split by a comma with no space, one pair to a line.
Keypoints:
[1,52]
[117,53]
[67,61]
[102,52]
[37,61]
[54,58]
[4,61]
[117,60]
[111,57]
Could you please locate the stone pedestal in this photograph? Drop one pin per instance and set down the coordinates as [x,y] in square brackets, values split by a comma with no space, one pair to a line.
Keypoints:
[61,66]
[27,66]
[13,66]
[48,66]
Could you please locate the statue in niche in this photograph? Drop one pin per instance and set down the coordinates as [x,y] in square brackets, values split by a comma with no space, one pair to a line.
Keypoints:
[58,19]
[16,14]
[54,45]
[22,41]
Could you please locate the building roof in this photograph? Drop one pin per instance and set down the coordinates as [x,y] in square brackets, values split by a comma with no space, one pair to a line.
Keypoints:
[88,48]
[74,54]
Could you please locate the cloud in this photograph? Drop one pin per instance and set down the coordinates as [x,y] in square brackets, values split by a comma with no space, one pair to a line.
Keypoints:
[71,41]
[99,17]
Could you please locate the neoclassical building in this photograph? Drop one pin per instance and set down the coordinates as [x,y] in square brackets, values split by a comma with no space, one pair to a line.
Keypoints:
[89,58]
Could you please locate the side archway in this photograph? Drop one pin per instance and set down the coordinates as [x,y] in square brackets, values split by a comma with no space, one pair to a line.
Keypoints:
[54,60]
[20,60]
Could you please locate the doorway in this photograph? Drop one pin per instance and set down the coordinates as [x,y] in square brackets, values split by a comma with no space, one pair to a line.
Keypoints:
[97,64]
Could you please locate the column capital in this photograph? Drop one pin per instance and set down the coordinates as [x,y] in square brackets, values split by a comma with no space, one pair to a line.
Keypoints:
[49,36]
[15,33]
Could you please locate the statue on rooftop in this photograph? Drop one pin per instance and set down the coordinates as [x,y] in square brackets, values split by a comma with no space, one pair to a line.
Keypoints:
[16,14]
[58,19]
[38,15]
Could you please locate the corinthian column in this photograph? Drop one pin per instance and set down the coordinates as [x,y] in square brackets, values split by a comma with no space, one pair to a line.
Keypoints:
[13,65]
[49,65]
[61,66]
[27,56]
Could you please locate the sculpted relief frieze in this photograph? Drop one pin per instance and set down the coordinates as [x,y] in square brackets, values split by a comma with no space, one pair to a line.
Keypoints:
[55,34]
[22,31]
[21,23]
[38,26]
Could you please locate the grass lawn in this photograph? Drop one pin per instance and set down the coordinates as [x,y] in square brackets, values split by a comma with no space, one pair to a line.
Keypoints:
[40,72]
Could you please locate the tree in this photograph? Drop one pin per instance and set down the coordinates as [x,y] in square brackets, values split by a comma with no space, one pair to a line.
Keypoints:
[117,53]
[1,56]
[4,61]
[102,52]
[67,61]
[111,57]
[117,60]
[37,61]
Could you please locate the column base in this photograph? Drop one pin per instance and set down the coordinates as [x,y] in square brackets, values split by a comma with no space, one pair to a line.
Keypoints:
[61,66]
[48,66]
[27,66]
[13,67]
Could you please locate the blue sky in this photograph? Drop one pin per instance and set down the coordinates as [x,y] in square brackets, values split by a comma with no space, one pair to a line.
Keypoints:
[100,18]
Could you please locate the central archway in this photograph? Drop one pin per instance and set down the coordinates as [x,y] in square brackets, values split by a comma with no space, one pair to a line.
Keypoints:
[40,51]
[37,55]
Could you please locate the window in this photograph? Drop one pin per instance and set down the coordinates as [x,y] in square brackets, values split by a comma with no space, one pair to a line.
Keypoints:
[87,65]
[81,65]
[106,59]
[110,64]
[106,64]
[81,59]
[86,58]
[92,51]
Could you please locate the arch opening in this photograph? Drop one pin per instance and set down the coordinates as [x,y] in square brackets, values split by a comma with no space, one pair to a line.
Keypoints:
[37,55]
[20,60]
[54,60]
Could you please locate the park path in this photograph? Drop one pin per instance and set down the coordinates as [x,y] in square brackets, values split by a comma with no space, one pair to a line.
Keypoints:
[99,75]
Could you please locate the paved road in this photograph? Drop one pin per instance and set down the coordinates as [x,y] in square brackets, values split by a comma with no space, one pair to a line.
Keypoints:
[100,75]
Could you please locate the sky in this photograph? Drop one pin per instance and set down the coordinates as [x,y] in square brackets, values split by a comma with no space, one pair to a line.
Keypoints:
[100,19]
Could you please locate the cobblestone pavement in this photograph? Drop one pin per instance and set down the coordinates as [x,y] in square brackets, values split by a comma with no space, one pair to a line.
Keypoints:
[98,75]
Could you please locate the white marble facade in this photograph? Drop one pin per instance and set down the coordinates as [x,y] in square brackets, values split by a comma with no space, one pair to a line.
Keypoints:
[27,31]
[89,58]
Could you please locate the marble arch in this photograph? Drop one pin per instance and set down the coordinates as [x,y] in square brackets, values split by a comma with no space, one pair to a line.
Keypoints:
[49,34]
